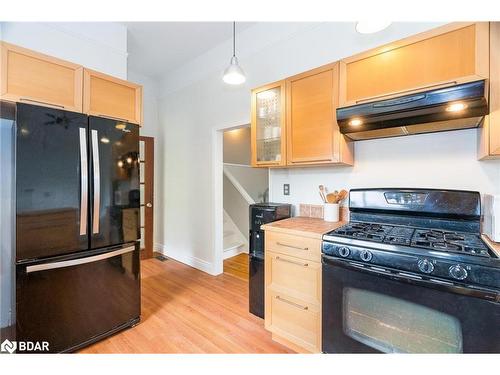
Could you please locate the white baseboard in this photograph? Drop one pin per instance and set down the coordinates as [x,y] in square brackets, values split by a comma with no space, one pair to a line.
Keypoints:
[235,251]
[189,260]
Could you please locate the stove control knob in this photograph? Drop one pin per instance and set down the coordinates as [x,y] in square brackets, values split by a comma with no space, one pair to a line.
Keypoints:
[366,256]
[344,251]
[458,272]
[425,266]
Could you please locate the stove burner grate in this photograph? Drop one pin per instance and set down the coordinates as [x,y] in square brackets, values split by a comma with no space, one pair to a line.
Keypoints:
[431,239]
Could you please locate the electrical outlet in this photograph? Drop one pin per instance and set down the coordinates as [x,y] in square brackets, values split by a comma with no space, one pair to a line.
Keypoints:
[286,189]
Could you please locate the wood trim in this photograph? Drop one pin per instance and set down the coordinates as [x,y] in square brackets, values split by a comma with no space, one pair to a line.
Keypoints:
[494,117]
[88,74]
[78,75]
[148,196]
[3,68]
[253,125]
[483,49]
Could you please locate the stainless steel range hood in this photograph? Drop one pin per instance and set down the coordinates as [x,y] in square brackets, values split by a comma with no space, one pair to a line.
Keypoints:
[461,106]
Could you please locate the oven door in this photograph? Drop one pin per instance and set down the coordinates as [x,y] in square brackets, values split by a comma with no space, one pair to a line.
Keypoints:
[367,310]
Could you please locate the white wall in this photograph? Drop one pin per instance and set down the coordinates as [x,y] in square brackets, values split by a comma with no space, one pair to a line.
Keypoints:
[100,46]
[195,102]
[445,160]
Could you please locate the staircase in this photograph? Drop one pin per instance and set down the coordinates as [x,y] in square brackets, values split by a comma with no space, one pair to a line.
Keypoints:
[234,242]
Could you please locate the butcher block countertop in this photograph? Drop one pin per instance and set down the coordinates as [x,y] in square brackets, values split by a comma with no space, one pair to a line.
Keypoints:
[303,226]
[494,246]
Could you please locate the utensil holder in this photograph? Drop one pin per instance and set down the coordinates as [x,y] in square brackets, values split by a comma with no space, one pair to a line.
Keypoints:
[331,212]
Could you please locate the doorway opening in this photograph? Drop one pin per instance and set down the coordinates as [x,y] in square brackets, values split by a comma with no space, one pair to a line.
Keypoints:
[241,186]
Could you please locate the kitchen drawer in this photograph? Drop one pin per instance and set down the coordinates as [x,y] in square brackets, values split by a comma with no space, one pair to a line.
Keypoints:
[294,277]
[296,246]
[294,320]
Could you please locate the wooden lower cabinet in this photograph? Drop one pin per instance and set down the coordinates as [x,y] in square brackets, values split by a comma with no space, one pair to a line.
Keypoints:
[293,320]
[293,290]
[298,278]
[295,246]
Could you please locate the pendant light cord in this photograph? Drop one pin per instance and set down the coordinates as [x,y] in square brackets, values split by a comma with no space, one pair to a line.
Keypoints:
[234,38]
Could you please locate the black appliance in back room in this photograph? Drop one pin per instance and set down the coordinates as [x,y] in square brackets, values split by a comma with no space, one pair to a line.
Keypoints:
[410,273]
[261,213]
[76,260]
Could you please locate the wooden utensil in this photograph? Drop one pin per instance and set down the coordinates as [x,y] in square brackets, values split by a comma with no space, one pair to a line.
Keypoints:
[322,193]
[341,196]
[331,198]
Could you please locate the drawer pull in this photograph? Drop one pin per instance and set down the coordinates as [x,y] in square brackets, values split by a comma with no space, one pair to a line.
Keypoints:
[40,102]
[292,303]
[291,246]
[293,262]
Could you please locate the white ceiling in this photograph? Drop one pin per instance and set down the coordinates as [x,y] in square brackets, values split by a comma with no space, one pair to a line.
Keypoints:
[156,48]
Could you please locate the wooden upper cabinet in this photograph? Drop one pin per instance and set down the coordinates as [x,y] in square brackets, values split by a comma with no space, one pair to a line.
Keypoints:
[313,135]
[107,96]
[448,55]
[268,136]
[32,77]
[489,132]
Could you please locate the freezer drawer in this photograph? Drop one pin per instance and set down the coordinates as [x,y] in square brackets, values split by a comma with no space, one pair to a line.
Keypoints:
[72,302]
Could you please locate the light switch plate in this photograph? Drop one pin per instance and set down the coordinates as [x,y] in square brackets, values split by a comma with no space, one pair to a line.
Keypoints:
[286,189]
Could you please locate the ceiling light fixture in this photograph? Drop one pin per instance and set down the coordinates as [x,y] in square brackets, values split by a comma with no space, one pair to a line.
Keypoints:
[456,107]
[234,75]
[355,122]
[370,27]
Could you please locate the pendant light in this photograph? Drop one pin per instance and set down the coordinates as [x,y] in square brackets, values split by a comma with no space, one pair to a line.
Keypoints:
[373,26]
[234,75]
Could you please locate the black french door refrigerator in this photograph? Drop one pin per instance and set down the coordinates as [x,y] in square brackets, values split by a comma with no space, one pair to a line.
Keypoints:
[77,224]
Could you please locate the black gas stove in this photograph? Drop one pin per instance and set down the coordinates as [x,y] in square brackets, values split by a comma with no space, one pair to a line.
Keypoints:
[421,231]
[410,261]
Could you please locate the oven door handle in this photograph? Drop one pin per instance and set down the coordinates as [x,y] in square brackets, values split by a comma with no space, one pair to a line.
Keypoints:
[468,290]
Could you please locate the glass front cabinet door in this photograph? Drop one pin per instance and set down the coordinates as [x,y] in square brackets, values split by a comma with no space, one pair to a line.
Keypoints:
[268,125]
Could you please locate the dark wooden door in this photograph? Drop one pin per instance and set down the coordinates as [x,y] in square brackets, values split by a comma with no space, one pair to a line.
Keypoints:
[146,157]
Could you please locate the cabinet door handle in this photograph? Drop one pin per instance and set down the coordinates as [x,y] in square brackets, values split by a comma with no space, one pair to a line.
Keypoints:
[40,102]
[293,262]
[291,246]
[292,303]
[97,183]
[418,89]
[83,182]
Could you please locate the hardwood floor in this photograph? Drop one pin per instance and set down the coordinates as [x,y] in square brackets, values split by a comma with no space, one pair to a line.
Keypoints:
[188,311]
[237,266]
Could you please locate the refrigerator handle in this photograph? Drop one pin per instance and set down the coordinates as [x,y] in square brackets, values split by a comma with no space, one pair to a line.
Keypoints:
[76,262]
[97,182]
[84,182]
